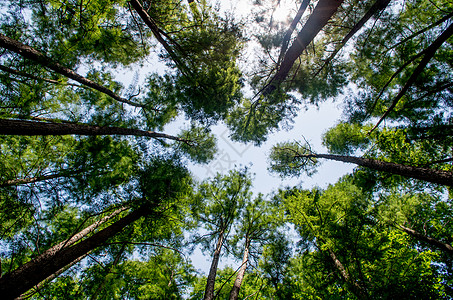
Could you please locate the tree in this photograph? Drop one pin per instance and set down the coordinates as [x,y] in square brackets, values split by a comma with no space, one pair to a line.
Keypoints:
[340,232]
[216,207]
[257,225]
[293,159]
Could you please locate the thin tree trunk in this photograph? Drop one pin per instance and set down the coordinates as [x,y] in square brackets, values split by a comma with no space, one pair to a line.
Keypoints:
[433,242]
[34,55]
[157,34]
[20,181]
[292,27]
[23,74]
[23,127]
[32,273]
[359,291]
[376,7]
[322,13]
[234,294]
[430,175]
[428,55]
[210,282]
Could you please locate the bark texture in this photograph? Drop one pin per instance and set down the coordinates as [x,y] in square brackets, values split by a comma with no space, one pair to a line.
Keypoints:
[292,27]
[428,55]
[430,175]
[20,181]
[36,56]
[23,127]
[210,282]
[433,242]
[234,294]
[359,291]
[323,11]
[27,276]
[375,8]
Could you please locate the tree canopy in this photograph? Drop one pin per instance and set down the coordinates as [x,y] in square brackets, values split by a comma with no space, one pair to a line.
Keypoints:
[97,195]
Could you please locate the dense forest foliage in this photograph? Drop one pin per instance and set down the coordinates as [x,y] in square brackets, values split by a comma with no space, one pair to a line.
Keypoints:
[97,200]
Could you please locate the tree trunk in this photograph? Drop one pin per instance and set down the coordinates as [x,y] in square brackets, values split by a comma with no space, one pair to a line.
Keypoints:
[22,279]
[430,175]
[377,6]
[23,127]
[428,55]
[317,20]
[289,32]
[358,290]
[210,282]
[234,294]
[158,34]
[19,181]
[421,237]
[38,287]
[34,55]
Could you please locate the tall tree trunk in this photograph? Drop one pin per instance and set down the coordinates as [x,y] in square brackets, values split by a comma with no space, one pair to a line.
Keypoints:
[23,127]
[234,294]
[22,279]
[292,27]
[376,7]
[38,287]
[322,13]
[158,34]
[430,175]
[428,55]
[36,56]
[433,242]
[210,282]
[359,291]
[20,181]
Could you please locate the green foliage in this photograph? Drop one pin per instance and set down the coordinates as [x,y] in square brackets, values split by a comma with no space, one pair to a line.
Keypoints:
[343,220]
[201,145]
[287,159]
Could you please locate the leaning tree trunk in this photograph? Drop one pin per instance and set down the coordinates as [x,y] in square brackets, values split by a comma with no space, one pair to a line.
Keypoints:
[428,54]
[358,290]
[430,175]
[36,56]
[27,276]
[317,20]
[19,181]
[234,294]
[433,242]
[292,27]
[376,7]
[210,282]
[158,34]
[23,127]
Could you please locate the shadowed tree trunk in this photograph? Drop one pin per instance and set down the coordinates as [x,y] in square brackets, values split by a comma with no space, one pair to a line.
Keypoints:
[433,242]
[22,279]
[359,291]
[158,34]
[210,282]
[19,181]
[428,54]
[234,294]
[38,287]
[23,127]
[36,56]
[292,26]
[322,13]
[430,175]
[377,6]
